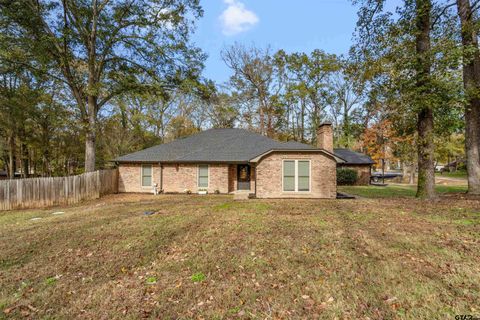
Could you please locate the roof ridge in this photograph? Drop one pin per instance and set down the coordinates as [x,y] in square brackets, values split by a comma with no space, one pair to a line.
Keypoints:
[197,149]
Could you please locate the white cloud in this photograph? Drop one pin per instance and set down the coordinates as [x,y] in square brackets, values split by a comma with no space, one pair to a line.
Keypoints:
[236,19]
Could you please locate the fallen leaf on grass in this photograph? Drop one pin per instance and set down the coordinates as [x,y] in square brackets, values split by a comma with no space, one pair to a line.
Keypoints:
[8,310]
[390,300]
[32,308]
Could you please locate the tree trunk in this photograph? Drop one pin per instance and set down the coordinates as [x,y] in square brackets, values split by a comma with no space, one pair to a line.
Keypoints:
[46,151]
[90,135]
[24,156]
[411,178]
[262,121]
[11,157]
[404,172]
[346,126]
[426,169]
[23,153]
[471,83]
[33,162]
[302,137]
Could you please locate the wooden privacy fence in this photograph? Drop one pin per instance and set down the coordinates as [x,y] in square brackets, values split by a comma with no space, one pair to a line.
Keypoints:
[45,192]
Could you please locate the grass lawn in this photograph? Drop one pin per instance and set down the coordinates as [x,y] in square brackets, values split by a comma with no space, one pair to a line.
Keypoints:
[456,174]
[208,257]
[396,190]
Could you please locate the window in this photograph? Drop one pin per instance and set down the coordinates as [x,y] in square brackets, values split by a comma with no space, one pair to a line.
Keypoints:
[203,176]
[146,175]
[303,175]
[289,175]
[296,175]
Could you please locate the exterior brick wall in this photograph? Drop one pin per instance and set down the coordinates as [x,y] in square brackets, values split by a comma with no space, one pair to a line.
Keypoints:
[363,173]
[176,178]
[223,177]
[130,178]
[232,178]
[323,176]
[253,172]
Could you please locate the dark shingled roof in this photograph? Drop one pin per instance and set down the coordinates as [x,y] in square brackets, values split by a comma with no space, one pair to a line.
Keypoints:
[214,145]
[352,157]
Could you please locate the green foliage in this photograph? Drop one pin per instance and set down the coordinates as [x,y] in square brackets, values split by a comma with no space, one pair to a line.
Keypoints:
[346,176]
[50,281]
[151,280]
[103,49]
[411,66]
[449,147]
[198,277]
[149,89]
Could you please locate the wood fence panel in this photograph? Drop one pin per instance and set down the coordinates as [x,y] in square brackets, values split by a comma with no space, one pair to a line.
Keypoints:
[108,181]
[46,192]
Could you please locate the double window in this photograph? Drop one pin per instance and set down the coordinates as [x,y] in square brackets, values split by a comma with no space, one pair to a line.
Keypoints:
[203,176]
[296,175]
[147,175]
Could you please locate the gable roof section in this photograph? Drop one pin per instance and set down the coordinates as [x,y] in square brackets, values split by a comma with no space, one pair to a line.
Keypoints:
[213,145]
[352,157]
[314,150]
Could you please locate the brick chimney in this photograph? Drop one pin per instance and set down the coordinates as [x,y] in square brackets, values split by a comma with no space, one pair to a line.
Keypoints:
[325,136]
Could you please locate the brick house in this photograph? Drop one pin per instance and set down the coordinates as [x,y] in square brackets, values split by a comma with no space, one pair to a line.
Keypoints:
[357,161]
[234,161]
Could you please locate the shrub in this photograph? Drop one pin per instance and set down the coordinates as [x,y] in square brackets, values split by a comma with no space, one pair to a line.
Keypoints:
[346,176]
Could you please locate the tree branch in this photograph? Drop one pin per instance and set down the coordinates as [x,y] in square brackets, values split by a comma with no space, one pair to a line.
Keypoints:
[437,18]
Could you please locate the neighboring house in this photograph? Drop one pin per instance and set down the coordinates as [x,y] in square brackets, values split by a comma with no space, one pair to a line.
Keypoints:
[357,161]
[454,165]
[235,161]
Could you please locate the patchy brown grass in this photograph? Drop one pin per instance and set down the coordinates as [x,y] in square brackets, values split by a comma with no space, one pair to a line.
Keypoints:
[212,258]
